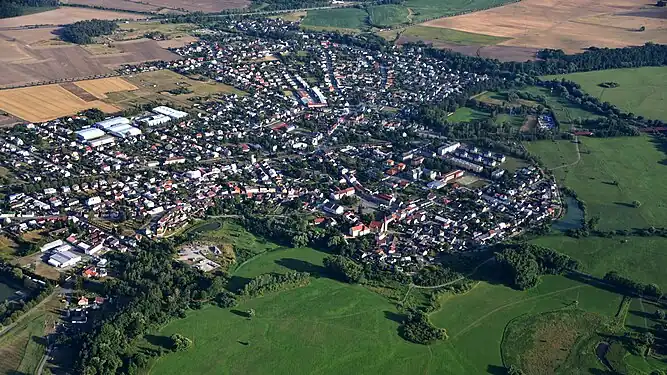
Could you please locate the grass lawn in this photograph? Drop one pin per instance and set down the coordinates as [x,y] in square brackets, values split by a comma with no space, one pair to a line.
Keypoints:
[475,321]
[337,18]
[388,15]
[23,346]
[515,121]
[635,163]
[639,258]
[424,10]
[329,327]
[8,247]
[642,91]
[564,111]
[450,36]
[465,114]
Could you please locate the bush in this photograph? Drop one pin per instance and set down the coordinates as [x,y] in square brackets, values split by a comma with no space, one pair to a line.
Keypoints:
[179,343]
[417,328]
[274,282]
[344,269]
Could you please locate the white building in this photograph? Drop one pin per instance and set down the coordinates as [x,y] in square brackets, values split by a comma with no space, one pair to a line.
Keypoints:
[64,259]
[193,175]
[124,130]
[52,245]
[101,141]
[450,147]
[155,120]
[114,121]
[93,201]
[169,112]
[89,134]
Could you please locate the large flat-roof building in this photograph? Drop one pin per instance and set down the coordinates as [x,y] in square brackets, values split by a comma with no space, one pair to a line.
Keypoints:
[110,122]
[154,120]
[124,131]
[64,259]
[173,113]
[89,134]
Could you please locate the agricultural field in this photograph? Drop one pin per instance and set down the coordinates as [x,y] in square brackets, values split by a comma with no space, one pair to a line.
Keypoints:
[642,91]
[568,25]
[609,181]
[439,37]
[126,5]
[424,10]
[639,258]
[388,15]
[100,87]
[299,331]
[66,15]
[137,30]
[43,103]
[350,19]
[22,347]
[165,6]
[154,86]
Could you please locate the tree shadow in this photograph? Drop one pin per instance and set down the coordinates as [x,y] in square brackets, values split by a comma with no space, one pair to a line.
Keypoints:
[302,266]
[642,314]
[596,371]
[40,340]
[237,283]
[161,341]
[240,313]
[496,370]
[15,372]
[593,281]
[624,204]
[394,317]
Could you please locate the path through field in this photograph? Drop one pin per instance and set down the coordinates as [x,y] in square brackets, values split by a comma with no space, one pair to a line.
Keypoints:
[576,145]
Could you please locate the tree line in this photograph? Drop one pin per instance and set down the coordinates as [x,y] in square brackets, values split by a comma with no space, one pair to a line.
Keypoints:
[14,8]
[273,282]
[84,32]
[522,265]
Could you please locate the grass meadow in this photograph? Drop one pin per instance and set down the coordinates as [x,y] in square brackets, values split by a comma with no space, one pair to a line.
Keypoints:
[336,18]
[639,258]
[424,10]
[330,327]
[465,114]
[642,91]
[611,175]
[388,15]
[564,111]
[450,36]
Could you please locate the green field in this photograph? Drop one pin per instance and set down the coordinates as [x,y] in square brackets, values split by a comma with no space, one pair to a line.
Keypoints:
[634,163]
[639,258]
[388,15]
[642,91]
[465,114]
[337,18]
[449,36]
[564,111]
[329,327]
[424,10]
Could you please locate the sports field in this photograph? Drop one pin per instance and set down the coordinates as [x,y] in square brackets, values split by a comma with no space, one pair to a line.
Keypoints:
[642,91]
[43,103]
[465,114]
[610,175]
[639,258]
[329,327]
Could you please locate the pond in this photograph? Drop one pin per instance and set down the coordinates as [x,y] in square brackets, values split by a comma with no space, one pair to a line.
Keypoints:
[573,217]
[601,351]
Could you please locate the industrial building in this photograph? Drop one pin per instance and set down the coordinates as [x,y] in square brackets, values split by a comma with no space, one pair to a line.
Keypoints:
[173,113]
[89,134]
[111,122]
[64,259]
[124,131]
[101,141]
[154,120]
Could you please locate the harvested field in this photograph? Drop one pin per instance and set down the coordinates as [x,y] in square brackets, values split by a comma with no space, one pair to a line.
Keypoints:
[78,91]
[206,6]
[117,4]
[25,63]
[29,36]
[100,87]
[66,15]
[177,42]
[502,53]
[43,103]
[571,25]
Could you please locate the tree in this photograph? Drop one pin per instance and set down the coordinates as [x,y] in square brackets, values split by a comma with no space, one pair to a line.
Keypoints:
[344,269]
[513,370]
[18,274]
[512,96]
[659,314]
[636,204]
[661,3]
[179,342]
[643,28]
[251,313]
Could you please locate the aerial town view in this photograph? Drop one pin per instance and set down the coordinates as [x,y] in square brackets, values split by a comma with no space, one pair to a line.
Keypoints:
[333,187]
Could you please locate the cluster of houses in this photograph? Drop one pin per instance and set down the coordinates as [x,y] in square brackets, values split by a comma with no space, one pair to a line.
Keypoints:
[323,124]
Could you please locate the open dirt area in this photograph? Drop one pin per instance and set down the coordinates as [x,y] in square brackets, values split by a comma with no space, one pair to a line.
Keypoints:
[66,15]
[502,53]
[571,25]
[100,87]
[43,103]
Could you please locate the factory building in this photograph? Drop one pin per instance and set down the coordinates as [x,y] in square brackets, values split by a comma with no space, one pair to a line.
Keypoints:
[89,134]
[111,122]
[124,131]
[169,112]
[154,120]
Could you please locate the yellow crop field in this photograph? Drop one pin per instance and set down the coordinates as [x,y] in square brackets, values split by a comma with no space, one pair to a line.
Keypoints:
[100,87]
[44,103]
